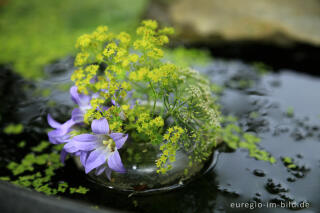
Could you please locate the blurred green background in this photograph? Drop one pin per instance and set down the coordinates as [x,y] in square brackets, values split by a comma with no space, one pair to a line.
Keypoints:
[35,32]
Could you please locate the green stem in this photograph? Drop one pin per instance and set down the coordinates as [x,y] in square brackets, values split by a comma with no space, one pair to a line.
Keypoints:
[155,97]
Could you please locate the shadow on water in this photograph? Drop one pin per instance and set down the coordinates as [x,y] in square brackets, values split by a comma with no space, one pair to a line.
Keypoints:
[236,177]
[295,56]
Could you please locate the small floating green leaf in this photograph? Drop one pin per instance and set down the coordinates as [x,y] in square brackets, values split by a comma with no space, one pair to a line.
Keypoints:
[5,178]
[290,112]
[41,146]
[13,129]
[22,144]
[79,190]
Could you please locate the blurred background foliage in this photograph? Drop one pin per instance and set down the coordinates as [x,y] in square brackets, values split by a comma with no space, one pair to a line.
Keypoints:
[36,32]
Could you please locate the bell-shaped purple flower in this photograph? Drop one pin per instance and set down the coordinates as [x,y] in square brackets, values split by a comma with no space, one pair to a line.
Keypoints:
[98,148]
[83,101]
[60,133]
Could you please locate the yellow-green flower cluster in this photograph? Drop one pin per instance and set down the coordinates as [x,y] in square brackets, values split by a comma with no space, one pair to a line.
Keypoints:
[172,138]
[150,127]
[140,93]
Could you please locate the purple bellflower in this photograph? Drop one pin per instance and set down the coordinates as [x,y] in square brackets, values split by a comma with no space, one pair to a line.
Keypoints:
[99,150]
[60,133]
[83,101]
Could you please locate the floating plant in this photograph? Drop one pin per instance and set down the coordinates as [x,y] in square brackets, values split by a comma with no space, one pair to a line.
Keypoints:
[37,169]
[142,123]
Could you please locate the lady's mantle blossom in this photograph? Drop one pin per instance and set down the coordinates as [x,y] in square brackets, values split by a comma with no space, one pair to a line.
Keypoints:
[98,148]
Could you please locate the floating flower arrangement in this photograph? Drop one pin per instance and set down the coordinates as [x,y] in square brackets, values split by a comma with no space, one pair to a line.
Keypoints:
[140,121]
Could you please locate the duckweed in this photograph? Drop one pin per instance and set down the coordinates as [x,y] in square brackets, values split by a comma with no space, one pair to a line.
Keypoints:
[13,129]
[35,171]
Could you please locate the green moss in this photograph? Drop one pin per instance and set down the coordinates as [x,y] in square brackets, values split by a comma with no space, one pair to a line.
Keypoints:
[35,32]
[13,129]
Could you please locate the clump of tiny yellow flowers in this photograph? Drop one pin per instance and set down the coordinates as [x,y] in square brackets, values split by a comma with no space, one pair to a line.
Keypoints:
[141,94]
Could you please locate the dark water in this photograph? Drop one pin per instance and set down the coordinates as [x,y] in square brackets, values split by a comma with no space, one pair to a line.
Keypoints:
[236,177]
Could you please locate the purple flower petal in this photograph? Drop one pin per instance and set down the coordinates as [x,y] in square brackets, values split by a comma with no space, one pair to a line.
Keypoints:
[77,115]
[108,172]
[100,169]
[114,103]
[78,153]
[52,138]
[95,95]
[63,155]
[67,125]
[119,139]
[53,123]
[103,108]
[83,157]
[95,159]
[56,133]
[93,80]
[80,99]
[73,146]
[133,103]
[100,127]
[58,136]
[115,163]
[83,142]
[74,94]
[85,138]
